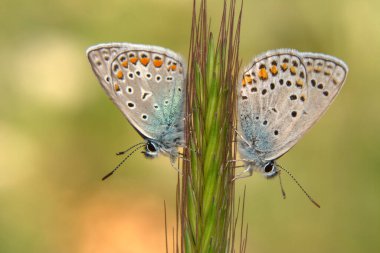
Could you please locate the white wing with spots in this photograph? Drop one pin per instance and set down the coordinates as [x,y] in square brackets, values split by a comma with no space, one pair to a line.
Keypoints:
[145,82]
[284,93]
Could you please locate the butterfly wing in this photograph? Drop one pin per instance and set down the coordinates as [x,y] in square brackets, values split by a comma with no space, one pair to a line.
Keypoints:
[145,82]
[284,93]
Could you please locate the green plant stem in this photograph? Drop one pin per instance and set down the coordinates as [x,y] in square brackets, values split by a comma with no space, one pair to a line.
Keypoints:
[208,189]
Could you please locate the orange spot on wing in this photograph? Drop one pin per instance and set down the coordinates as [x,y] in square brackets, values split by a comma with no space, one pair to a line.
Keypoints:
[293,70]
[274,70]
[299,83]
[120,74]
[116,87]
[284,67]
[173,67]
[244,83]
[133,60]
[144,61]
[124,64]
[263,74]
[158,63]
[248,79]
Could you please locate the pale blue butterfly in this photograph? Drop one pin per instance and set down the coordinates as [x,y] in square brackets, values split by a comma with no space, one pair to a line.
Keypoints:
[147,84]
[283,93]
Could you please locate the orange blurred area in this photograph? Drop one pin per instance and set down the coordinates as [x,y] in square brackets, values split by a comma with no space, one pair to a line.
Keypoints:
[59,132]
[121,224]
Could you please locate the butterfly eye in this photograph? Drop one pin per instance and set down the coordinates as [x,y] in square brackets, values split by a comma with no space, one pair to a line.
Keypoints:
[268,167]
[150,147]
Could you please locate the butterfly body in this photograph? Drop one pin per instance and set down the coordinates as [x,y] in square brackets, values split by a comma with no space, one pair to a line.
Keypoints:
[147,84]
[282,94]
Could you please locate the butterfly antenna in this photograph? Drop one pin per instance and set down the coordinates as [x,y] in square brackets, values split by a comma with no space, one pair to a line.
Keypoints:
[281,185]
[125,151]
[299,185]
[121,163]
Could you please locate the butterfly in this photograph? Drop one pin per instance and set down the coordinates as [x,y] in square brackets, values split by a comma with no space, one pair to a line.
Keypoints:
[282,94]
[147,84]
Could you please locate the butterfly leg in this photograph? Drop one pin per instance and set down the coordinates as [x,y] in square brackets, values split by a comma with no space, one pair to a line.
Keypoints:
[187,116]
[246,173]
[173,158]
[238,166]
[234,161]
[191,149]
[175,167]
[182,156]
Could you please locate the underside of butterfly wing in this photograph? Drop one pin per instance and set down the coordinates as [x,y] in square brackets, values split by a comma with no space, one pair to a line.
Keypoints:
[147,84]
[282,94]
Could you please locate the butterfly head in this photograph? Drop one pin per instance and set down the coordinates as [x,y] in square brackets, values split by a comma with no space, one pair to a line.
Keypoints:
[151,149]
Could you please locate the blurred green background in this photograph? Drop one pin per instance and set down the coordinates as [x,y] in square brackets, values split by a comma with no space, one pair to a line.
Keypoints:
[59,132]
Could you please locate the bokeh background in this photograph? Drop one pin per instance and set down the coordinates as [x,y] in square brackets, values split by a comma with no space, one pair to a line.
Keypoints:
[59,132]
